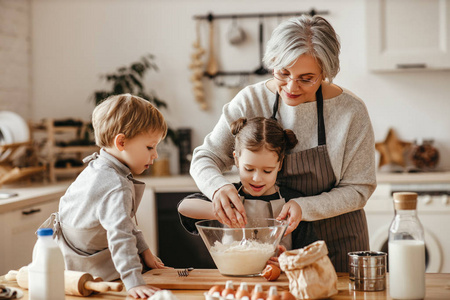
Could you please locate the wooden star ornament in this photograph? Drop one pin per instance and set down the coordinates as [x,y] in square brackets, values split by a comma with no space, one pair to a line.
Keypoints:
[392,150]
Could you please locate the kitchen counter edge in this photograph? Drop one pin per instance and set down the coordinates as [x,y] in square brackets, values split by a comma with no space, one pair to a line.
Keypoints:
[37,193]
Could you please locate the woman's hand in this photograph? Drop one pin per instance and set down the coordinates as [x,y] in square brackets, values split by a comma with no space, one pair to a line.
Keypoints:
[228,208]
[293,212]
[142,291]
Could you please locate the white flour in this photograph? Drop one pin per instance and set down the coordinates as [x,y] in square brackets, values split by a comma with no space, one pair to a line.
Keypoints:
[236,259]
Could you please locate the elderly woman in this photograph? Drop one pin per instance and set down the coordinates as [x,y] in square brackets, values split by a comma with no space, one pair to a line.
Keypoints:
[333,163]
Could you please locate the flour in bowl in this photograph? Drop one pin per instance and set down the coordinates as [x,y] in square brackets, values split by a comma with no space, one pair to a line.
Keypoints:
[247,259]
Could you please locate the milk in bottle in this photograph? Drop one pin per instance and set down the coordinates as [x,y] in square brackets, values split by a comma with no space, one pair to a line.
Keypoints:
[406,252]
[46,272]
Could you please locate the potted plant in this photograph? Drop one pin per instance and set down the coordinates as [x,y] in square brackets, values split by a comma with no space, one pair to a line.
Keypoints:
[130,79]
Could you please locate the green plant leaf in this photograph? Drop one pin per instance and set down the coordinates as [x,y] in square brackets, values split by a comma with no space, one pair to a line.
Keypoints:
[131,80]
[146,62]
[171,134]
[159,103]
[137,82]
[139,68]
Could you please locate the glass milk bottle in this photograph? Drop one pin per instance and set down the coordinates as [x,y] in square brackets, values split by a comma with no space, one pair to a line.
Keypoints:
[406,250]
[46,272]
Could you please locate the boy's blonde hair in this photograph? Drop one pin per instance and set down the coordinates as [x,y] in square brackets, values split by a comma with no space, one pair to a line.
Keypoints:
[127,114]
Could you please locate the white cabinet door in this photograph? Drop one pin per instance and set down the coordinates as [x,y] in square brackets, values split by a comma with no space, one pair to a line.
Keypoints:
[147,219]
[408,34]
[18,234]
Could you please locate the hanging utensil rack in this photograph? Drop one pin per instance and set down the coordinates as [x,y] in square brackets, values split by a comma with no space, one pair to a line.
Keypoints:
[211,17]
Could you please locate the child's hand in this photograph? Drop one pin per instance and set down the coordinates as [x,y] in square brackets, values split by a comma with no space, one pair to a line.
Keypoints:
[155,263]
[151,261]
[293,212]
[142,291]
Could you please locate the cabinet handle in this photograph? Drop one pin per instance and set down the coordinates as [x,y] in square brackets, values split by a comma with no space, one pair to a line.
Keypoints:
[411,66]
[31,211]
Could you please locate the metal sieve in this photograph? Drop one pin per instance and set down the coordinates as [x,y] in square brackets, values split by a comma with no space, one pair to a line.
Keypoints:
[367,270]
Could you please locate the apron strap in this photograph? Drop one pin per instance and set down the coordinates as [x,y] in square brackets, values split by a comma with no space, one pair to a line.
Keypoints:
[320,120]
[321,137]
[275,107]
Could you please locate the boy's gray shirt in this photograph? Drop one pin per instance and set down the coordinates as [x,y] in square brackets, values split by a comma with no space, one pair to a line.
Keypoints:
[103,196]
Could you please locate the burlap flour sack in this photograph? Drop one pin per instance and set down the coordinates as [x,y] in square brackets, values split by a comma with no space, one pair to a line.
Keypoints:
[310,272]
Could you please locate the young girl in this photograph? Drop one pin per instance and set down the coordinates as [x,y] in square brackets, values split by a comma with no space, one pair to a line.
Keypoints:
[260,146]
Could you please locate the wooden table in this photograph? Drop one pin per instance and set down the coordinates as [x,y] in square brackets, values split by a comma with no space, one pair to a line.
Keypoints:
[437,287]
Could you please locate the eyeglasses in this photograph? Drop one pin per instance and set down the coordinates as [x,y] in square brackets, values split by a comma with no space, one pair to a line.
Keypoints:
[301,82]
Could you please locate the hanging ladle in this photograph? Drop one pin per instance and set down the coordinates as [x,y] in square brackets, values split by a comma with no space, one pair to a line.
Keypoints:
[261,70]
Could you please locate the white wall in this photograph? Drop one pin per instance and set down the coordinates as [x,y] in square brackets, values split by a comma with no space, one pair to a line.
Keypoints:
[15,83]
[75,41]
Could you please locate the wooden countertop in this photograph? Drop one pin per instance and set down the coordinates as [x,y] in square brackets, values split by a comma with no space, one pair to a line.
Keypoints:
[437,287]
[413,178]
[31,194]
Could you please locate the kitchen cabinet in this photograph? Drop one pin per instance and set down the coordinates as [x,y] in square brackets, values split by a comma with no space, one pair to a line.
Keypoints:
[147,219]
[176,246]
[408,34]
[17,233]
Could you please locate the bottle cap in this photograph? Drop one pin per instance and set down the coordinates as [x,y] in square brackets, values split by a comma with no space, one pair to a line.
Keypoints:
[405,200]
[44,231]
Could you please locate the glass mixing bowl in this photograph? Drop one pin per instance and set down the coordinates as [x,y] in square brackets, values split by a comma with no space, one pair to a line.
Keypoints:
[242,251]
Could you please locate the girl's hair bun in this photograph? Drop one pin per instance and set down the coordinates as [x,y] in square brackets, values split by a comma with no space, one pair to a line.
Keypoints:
[259,132]
[291,139]
[237,125]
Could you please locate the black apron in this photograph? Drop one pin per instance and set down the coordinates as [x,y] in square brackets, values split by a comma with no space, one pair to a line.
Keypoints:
[310,172]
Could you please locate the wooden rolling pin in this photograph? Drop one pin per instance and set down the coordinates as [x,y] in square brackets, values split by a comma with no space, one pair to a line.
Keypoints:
[75,283]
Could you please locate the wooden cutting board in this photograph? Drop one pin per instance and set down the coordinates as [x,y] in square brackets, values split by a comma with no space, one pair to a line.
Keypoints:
[204,279]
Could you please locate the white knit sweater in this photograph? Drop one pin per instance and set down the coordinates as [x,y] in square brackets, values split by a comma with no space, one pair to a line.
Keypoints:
[350,144]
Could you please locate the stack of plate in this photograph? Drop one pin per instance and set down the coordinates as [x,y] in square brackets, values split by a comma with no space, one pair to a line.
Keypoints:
[13,129]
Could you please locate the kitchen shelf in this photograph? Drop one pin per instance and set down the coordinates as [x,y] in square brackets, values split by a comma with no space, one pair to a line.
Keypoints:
[75,149]
[53,151]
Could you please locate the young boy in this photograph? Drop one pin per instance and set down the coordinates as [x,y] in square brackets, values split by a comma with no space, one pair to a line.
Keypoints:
[94,226]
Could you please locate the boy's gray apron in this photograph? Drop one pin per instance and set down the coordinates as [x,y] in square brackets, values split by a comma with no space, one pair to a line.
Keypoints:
[311,173]
[71,240]
[267,209]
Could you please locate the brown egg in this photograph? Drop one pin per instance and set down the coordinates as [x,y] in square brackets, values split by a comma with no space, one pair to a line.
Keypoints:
[242,292]
[257,293]
[273,294]
[271,272]
[285,295]
[228,293]
[228,290]
[259,296]
[215,290]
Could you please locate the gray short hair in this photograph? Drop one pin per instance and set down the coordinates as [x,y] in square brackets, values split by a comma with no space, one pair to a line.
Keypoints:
[304,35]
